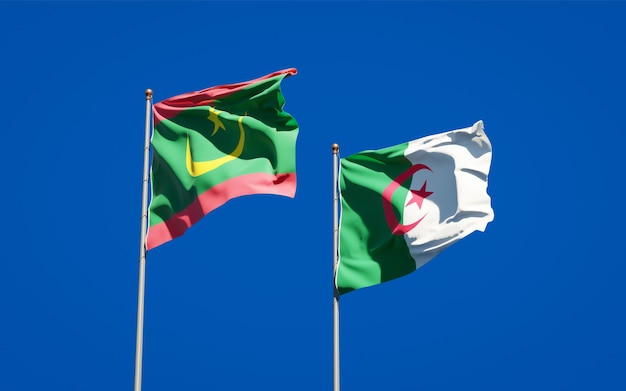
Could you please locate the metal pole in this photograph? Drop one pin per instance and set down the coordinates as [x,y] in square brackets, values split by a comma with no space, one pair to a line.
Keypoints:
[142,246]
[335,260]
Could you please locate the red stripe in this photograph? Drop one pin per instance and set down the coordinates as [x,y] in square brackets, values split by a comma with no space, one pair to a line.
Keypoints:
[169,108]
[258,183]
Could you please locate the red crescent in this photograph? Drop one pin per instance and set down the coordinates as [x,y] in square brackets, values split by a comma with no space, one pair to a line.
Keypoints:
[396,227]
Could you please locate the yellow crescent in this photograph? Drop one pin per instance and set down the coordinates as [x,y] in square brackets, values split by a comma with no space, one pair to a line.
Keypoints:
[200,168]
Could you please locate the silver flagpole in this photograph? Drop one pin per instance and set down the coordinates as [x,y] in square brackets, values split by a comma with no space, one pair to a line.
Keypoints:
[142,246]
[335,256]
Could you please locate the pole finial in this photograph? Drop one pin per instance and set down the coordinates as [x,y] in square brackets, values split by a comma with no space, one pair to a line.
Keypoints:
[148,94]
[335,148]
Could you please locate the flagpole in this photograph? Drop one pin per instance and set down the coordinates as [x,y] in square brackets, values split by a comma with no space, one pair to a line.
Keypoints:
[142,247]
[335,260]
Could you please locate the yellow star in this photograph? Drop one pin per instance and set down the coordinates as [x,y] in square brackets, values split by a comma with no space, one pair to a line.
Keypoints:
[214,117]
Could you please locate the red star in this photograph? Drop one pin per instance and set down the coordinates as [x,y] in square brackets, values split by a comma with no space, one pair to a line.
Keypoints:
[419,196]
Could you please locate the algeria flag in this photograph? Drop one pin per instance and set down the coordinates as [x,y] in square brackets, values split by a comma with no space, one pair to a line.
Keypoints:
[403,205]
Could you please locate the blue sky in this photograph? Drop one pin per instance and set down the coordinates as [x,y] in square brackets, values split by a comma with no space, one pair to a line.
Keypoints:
[243,301]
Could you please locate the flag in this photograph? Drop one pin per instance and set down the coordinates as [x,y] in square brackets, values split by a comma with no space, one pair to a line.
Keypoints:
[216,144]
[403,205]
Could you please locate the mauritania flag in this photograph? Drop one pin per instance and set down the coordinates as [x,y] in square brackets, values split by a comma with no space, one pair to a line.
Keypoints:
[403,205]
[216,144]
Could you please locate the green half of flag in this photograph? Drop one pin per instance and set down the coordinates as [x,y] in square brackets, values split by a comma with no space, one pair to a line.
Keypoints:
[216,144]
[369,251]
